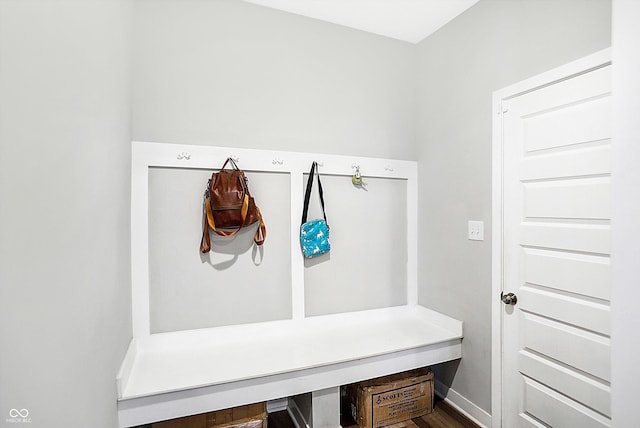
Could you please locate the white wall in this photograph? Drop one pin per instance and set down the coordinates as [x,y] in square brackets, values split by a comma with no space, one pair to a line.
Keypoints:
[493,44]
[625,351]
[229,73]
[64,210]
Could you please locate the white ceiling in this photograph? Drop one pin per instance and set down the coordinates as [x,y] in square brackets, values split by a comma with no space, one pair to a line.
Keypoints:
[408,20]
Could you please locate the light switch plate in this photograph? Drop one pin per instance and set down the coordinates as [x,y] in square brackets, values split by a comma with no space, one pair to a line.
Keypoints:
[476,230]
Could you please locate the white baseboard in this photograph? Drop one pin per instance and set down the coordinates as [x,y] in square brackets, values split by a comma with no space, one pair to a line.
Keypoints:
[463,405]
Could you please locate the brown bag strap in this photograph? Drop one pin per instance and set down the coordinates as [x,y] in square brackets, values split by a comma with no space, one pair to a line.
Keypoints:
[261,231]
[205,242]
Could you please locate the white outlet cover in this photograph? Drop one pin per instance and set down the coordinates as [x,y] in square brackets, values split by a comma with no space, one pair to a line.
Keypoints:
[476,230]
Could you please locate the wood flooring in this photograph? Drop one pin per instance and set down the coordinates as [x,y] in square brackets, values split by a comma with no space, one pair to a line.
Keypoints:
[443,416]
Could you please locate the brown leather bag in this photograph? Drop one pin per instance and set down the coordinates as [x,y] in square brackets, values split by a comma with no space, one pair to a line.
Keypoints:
[228,206]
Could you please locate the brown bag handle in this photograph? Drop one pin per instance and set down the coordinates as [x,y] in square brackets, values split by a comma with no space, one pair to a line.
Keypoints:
[233,163]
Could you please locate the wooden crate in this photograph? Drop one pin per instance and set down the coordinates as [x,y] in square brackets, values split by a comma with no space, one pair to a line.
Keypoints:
[249,416]
[390,399]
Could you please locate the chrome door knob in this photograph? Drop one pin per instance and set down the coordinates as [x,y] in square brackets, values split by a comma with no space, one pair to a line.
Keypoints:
[509,298]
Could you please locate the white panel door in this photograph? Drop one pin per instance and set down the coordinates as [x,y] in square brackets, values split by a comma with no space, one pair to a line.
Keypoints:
[556,247]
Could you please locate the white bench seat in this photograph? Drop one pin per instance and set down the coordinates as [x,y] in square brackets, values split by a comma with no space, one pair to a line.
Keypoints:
[177,374]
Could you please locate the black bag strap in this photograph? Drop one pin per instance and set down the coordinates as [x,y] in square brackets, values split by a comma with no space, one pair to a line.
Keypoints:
[307,195]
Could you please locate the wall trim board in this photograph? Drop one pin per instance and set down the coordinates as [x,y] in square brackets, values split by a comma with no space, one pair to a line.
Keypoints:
[500,105]
[564,72]
[126,367]
[625,318]
[146,155]
[463,405]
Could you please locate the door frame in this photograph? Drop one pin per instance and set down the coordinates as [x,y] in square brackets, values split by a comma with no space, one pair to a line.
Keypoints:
[500,105]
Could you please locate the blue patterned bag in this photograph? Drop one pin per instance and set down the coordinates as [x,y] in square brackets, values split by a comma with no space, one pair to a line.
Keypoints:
[314,234]
[314,238]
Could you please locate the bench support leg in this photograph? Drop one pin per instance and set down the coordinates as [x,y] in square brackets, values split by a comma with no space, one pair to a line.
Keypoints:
[325,405]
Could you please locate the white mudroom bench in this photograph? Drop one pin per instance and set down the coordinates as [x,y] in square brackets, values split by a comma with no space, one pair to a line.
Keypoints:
[173,372]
